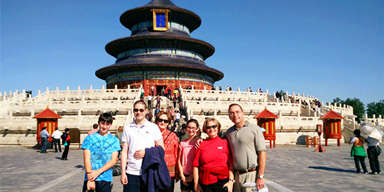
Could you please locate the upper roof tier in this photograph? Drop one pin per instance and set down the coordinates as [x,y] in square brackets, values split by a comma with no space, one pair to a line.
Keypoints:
[116,47]
[176,14]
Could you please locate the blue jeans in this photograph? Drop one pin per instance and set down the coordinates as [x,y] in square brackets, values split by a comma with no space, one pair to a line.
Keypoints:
[43,148]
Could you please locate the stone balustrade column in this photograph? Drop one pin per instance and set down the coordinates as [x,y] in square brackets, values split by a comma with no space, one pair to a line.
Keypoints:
[103,88]
[299,111]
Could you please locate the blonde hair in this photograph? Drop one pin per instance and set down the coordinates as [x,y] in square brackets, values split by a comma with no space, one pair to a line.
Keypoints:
[208,120]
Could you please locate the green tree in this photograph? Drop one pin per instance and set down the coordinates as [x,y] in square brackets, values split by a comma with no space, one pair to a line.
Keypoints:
[376,108]
[337,100]
[358,106]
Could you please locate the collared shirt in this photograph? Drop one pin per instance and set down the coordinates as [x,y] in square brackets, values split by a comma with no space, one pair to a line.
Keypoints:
[139,138]
[57,134]
[212,158]
[244,144]
[44,133]
[101,148]
[171,145]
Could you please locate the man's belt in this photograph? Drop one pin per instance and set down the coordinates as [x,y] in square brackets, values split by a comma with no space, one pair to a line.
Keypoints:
[246,171]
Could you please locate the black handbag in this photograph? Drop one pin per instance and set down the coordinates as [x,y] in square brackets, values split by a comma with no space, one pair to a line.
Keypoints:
[378,149]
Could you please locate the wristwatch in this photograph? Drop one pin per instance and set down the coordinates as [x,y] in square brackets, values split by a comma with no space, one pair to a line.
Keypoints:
[260,176]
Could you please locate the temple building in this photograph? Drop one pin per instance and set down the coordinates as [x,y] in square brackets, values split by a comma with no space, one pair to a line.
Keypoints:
[160,52]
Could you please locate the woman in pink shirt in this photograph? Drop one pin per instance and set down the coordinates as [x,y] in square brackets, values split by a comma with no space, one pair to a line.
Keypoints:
[185,157]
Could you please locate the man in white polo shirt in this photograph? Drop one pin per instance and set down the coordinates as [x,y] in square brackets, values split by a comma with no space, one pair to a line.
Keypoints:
[137,136]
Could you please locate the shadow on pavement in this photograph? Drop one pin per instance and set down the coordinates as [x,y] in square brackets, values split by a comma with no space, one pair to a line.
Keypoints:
[79,166]
[332,169]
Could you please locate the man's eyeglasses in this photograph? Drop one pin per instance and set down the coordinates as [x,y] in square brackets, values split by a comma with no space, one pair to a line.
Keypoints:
[209,127]
[137,110]
[162,120]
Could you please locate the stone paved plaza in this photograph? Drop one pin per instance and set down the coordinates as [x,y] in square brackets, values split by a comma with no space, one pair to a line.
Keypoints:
[296,168]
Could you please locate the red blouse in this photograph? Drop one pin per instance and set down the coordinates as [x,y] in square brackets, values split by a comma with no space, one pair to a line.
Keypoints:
[171,145]
[213,159]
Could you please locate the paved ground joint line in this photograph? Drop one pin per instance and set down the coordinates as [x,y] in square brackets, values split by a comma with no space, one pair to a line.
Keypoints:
[276,186]
[50,184]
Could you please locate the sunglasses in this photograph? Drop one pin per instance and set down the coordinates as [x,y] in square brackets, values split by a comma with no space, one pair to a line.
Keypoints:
[209,127]
[137,110]
[162,120]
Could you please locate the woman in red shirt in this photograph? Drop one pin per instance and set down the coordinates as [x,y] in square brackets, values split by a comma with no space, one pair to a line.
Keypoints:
[212,166]
[171,145]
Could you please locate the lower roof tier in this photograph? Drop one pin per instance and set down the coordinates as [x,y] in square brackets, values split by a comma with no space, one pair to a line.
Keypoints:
[159,63]
[129,77]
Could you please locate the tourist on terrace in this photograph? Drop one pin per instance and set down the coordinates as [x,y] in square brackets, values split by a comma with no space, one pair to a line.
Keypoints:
[247,144]
[212,165]
[137,137]
[177,118]
[373,155]
[95,129]
[149,98]
[100,152]
[158,101]
[152,90]
[171,145]
[174,101]
[358,151]
[186,154]
[56,139]
[44,139]
[66,139]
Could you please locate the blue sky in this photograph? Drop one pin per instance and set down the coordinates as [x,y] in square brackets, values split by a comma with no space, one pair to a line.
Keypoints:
[323,48]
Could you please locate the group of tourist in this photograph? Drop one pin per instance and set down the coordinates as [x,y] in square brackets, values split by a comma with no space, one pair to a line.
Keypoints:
[54,140]
[358,153]
[153,159]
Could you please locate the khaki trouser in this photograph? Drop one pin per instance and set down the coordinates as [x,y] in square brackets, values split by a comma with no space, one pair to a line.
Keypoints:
[240,179]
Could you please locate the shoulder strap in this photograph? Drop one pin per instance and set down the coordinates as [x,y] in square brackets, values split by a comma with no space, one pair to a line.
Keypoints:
[170,132]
